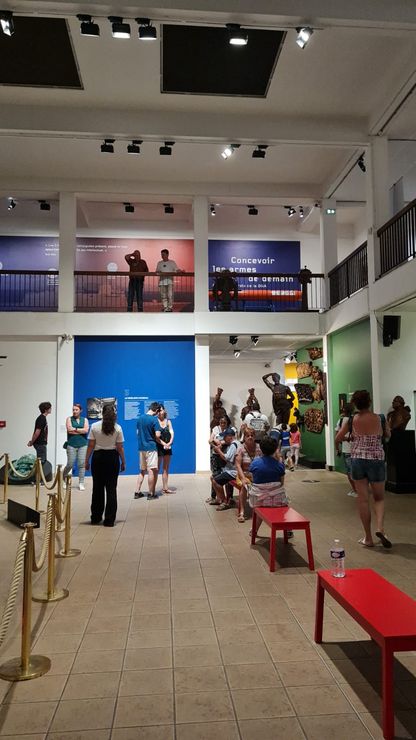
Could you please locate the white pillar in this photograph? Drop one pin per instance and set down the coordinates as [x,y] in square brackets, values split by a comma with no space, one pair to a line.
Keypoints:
[200,209]
[378,200]
[202,402]
[375,330]
[329,245]
[329,427]
[67,250]
[64,391]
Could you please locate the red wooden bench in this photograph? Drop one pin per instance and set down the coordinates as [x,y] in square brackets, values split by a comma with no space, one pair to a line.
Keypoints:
[282,518]
[382,610]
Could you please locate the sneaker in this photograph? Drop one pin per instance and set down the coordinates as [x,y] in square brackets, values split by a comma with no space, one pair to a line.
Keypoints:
[81,487]
[138,494]
[352,493]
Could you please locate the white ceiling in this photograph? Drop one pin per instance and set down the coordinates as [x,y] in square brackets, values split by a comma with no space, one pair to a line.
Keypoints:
[270,347]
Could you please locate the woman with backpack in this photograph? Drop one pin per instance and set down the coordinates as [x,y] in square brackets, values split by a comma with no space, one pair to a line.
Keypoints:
[367,431]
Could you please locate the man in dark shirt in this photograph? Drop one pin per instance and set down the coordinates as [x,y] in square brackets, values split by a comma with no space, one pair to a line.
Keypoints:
[136,265]
[39,439]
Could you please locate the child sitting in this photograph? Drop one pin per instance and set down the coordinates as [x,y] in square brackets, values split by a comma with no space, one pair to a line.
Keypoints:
[268,474]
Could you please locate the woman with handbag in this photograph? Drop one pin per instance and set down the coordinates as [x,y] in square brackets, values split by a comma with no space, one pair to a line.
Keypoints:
[76,444]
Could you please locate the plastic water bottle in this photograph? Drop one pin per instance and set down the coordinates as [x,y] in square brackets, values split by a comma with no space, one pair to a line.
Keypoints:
[337,554]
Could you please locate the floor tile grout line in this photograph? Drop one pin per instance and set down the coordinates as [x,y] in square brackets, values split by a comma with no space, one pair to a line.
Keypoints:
[171,624]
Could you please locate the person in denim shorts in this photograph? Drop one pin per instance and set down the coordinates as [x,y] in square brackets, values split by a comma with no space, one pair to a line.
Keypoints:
[367,431]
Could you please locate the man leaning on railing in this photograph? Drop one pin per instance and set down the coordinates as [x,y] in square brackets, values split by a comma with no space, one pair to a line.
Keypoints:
[136,281]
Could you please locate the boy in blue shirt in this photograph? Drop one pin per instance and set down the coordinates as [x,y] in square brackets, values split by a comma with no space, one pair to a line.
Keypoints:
[268,474]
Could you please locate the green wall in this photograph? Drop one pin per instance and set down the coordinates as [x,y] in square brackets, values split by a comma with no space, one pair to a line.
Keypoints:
[313,445]
[349,365]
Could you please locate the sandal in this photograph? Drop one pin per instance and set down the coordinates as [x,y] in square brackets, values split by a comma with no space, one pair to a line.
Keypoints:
[364,543]
[383,539]
[213,502]
[222,507]
[241,518]
[167,490]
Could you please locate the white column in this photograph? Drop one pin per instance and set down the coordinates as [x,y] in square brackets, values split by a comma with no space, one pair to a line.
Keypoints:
[378,200]
[375,330]
[329,240]
[202,402]
[329,427]
[67,250]
[200,209]
[64,391]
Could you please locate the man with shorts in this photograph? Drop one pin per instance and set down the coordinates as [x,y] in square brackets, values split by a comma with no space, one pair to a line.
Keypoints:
[148,431]
[229,471]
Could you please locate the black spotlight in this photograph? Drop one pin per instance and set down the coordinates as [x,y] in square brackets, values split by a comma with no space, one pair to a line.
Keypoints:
[166,150]
[361,164]
[44,205]
[212,210]
[11,203]
[7,22]
[119,29]
[128,207]
[88,27]
[233,340]
[254,339]
[260,151]
[253,211]
[237,36]
[108,146]
[290,211]
[147,32]
[134,147]
[168,208]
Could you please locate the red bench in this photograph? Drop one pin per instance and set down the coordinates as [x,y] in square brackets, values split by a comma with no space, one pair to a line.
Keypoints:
[286,519]
[382,610]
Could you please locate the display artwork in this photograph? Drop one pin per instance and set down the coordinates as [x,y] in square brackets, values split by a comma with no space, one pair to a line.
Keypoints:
[263,260]
[399,415]
[304,392]
[315,353]
[303,369]
[314,420]
[95,406]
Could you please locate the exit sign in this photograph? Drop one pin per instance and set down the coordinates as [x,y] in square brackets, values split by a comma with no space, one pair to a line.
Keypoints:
[2,424]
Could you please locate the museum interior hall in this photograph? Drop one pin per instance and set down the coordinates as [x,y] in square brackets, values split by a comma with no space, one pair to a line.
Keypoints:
[207,352]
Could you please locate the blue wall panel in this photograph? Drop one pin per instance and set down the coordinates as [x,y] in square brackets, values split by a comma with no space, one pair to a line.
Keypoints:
[136,372]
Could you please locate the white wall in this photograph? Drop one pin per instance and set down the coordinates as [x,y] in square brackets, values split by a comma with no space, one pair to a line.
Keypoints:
[235,378]
[27,377]
[397,366]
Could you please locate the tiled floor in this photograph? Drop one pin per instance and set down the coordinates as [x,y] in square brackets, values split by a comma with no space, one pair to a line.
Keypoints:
[174,628]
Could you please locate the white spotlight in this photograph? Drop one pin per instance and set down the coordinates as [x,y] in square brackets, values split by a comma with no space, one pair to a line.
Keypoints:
[237,37]
[236,353]
[7,22]
[119,29]
[303,36]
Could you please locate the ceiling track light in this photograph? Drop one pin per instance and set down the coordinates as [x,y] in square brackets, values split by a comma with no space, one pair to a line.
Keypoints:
[166,149]
[260,151]
[128,207]
[229,150]
[7,22]
[108,146]
[119,29]
[212,210]
[11,203]
[88,27]
[44,205]
[253,211]
[169,209]
[304,34]
[330,211]
[301,212]
[254,339]
[237,36]
[237,353]
[233,340]
[361,163]
[134,147]
[147,32]
[290,211]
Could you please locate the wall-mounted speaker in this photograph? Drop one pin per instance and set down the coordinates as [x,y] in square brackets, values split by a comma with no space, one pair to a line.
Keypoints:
[391,329]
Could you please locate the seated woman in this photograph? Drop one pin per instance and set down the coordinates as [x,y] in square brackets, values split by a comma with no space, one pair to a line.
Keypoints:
[248,450]
[268,474]
[216,462]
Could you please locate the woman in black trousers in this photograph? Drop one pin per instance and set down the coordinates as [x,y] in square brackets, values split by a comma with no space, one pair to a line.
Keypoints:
[105,444]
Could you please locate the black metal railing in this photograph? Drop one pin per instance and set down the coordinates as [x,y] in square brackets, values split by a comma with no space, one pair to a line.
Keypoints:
[398,239]
[29,290]
[245,291]
[349,276]
[119,291]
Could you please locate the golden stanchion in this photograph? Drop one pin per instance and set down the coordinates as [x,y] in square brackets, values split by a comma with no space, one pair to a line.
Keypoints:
[67,551]
[27,666]
[37,484]
[6,477]
[52,594]
[60,525]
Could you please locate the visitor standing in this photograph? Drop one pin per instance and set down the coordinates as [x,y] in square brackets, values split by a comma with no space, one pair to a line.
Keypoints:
[148,436]
[39,439]
[165,452]
[165,268]
[295,444]
[105,444]
[76,443]
[136,280]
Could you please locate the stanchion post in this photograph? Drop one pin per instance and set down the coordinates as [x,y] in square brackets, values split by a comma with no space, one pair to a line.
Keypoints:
[6,478]
[37,483]
[60,525]
[52,594]
[27,666]
[67,551]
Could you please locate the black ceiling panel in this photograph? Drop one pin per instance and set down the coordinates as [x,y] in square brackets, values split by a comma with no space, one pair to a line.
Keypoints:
[39,54]
[198,60]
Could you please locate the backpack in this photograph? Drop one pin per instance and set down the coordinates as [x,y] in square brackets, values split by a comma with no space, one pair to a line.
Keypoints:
[257,423]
